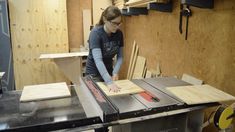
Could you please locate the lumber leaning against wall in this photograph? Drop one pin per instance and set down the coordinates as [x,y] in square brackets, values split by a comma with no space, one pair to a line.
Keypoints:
[208,53]
[37,26]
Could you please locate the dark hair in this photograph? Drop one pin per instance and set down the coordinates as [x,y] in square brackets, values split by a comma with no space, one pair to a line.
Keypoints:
[109,13]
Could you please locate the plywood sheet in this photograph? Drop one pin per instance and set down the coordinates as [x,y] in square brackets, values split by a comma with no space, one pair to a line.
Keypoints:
[134,62]
[199,94]
[37,26]
[192,80]
[127,87]
[44,91]
[131,60]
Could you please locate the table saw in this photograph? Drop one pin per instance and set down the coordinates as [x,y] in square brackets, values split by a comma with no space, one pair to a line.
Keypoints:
[89,108]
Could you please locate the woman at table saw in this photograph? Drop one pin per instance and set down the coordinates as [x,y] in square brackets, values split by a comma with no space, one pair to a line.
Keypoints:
[106,41]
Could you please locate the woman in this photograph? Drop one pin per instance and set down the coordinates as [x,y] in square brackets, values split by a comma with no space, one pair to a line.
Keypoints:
[106,41]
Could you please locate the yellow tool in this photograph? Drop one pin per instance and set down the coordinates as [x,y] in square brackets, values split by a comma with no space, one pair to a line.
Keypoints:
[222,117]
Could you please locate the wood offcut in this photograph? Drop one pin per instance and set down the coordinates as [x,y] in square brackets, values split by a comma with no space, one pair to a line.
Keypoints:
[44,91]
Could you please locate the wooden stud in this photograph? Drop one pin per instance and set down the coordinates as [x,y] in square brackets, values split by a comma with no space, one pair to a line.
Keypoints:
[131,60]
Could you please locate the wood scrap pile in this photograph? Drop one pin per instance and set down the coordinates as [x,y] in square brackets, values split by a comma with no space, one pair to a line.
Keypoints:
[137,67]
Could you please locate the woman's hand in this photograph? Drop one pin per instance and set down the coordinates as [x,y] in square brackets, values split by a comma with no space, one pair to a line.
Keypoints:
[113,88]
[115,77]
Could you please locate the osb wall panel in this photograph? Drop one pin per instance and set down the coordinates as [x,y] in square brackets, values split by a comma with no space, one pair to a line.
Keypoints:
[37,26]
[208,54]
[75,25]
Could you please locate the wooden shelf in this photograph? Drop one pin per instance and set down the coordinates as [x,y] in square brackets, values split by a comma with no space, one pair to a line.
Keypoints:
[141,7]
[143,3]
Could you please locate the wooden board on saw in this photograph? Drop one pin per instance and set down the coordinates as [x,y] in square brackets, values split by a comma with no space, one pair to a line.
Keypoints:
[44,91]
[127,87]
[199,94]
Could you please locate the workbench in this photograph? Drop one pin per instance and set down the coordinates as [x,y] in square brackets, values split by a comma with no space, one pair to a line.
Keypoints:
[80,112]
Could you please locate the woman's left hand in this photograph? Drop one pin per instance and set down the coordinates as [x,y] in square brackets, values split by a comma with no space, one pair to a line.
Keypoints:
[115,77]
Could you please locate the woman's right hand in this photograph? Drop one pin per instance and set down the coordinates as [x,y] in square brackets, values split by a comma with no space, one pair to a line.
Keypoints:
[113,88]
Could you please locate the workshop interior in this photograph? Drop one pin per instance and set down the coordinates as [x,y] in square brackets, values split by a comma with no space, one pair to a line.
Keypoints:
[177,73]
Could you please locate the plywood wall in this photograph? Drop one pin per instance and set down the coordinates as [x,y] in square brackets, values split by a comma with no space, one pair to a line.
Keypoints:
[75,22]
[208,54]
[97,8]
[37,26]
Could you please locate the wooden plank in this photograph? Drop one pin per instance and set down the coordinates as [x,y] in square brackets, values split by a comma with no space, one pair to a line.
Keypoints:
[37,26]
[86,25]
[45,91]
[63,55]
[158,70]
[127,87]
[145,71]
[143,3]
[148,74]
[139,68]
[131,60]
[192,80]
[199,94]
[134,62]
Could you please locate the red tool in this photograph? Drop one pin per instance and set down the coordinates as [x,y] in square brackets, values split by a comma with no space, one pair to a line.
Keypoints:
[149,97]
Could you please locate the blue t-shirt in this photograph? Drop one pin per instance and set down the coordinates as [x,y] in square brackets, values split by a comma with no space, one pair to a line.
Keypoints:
[109,46]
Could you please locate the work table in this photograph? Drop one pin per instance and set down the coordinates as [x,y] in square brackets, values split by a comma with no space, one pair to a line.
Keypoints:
[81,111]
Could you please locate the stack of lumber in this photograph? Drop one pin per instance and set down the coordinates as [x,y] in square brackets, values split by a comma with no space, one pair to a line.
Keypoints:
[119,3]
[143,3]
[137,67]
